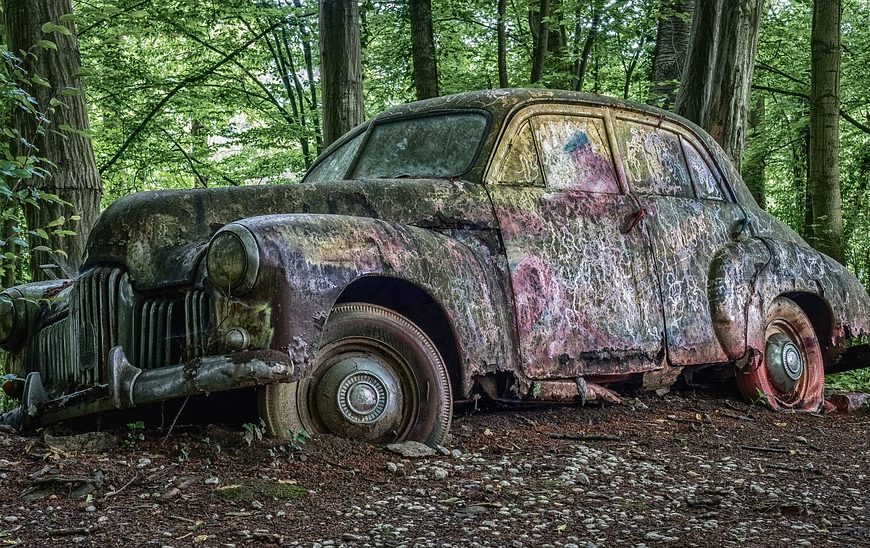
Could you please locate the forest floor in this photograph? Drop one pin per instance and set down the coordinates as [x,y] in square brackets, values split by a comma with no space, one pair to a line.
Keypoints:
[686,469]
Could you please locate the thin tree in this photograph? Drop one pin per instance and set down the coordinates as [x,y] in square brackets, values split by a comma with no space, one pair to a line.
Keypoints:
[539,23]
[824,182]
[341,68]
[501,32]
[423,56]
[45,33]
[672,44]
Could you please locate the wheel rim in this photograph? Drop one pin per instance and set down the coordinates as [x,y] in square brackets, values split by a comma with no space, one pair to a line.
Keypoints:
[786,360]
[362,390]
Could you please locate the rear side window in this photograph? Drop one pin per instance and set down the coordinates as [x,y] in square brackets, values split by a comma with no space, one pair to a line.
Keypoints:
[520,165]
[333,167]
[706,183]
[654,161]
[575,153]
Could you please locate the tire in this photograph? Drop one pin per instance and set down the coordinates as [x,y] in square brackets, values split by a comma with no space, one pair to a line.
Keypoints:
[791,372]
[378,378]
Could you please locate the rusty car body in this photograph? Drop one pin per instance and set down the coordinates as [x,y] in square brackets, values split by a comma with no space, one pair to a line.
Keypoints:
[523,244]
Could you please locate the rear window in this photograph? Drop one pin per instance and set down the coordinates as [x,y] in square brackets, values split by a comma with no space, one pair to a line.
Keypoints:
[443,145]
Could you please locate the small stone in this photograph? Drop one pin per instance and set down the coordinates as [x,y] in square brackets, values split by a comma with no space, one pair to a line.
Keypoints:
[487,432]
[10,519]
[91,508]
[102,519]
[212,481]
[143,462]
[439,473]
[392,467]
[582,479]
[412,449]
[257,504]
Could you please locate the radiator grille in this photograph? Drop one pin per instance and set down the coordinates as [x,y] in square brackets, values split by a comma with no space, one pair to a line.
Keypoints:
[105,312]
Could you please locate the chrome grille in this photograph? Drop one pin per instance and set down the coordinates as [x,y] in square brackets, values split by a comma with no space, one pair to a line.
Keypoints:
[105,312]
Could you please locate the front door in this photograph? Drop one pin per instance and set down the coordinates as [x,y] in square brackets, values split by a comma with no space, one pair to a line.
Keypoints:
[586,295]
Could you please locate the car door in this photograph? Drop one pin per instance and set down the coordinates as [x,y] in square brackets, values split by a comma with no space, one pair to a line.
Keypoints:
[690,217]
[585,291]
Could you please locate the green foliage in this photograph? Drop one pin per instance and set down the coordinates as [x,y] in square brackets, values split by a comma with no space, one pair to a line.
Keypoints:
[252,490]
[850,381]
[254,431]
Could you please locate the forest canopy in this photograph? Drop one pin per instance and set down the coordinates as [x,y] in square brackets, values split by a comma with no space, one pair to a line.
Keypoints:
[184,94]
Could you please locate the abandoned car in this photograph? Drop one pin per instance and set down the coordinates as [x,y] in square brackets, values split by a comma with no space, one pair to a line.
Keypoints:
[522,244]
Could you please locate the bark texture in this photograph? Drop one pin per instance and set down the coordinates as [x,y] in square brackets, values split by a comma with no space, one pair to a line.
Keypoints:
[73,175]
[423,55]
[824,182]
[672,44]
[341,69]
[718,73]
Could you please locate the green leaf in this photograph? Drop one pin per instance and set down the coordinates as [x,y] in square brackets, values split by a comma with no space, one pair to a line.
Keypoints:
[40,232]
[49,28]
[47,44]
[64,232]
[56,222]
[41,248]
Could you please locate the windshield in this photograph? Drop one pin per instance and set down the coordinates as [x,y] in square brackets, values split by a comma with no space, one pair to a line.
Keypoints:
[443,145]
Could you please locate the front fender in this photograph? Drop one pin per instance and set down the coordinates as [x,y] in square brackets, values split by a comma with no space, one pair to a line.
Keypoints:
[308,260]
[748,275]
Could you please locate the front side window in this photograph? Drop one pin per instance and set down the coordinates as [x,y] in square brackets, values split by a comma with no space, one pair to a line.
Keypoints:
[439,146]
[575,153]
[654,161]
[520,165]
[334,166]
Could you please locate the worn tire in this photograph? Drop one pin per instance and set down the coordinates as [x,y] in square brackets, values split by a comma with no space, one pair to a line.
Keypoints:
[377,378]
[777,380]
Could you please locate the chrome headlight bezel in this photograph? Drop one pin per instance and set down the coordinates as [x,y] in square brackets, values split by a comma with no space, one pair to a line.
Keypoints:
[247,255]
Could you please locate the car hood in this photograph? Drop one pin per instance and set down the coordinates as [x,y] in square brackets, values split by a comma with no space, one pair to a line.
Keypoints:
[160,236]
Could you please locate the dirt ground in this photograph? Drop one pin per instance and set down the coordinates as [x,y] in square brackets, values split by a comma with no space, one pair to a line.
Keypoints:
[685,469]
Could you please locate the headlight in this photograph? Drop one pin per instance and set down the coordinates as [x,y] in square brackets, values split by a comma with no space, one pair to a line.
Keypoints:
[8,318]
[233,259]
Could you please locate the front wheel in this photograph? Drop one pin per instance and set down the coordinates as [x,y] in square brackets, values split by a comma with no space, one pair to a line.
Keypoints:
[377,378]
[791,372]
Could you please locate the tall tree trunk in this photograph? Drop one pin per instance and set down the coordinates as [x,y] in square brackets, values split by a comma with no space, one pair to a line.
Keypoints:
[423,56]
[540,27]
[718,74]
[672,45]
[502,46]
[73,174]
[824,129]
[340,67]
[755,163]
[583,60]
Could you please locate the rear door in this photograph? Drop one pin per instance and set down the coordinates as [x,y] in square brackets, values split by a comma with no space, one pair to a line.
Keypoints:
[586,296]
[690,217]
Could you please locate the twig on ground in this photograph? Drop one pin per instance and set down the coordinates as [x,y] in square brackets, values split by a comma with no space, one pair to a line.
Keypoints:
[116,491]
[66,532]
[766,449]
[586,437]
[171,426]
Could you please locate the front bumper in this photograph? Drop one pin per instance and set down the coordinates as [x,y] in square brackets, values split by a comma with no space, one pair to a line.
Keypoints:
[129,386]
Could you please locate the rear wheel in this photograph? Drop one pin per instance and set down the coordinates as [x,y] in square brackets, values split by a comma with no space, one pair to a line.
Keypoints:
[791,372]
[378,378]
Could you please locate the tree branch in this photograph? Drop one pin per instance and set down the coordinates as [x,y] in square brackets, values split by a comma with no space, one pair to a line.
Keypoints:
[180,86]
[803,95]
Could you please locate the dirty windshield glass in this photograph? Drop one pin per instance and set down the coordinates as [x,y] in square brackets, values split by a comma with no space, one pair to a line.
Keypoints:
[432,146]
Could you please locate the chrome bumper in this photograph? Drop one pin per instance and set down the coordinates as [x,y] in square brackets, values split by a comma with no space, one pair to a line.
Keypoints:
[128,386]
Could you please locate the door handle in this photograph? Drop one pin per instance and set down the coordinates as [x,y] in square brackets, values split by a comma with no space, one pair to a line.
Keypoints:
[635,220]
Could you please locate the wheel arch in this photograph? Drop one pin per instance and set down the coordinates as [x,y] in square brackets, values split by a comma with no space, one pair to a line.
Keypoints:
[417,305]
[820,315]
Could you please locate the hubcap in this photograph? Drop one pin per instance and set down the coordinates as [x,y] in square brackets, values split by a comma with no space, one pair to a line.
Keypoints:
[358,396]
[784,362]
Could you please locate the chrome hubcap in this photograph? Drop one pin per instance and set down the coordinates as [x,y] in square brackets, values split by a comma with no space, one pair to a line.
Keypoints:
[358,396]
[362,397]
[784,362]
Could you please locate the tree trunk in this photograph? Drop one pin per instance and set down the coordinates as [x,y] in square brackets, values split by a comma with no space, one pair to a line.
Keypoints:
[502,46]
[672,44]
[540,27]
[755,163]
[718,74]
[423,56]
[309,71]
[340,66]
[73,174]
[583,60]
[824,129]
